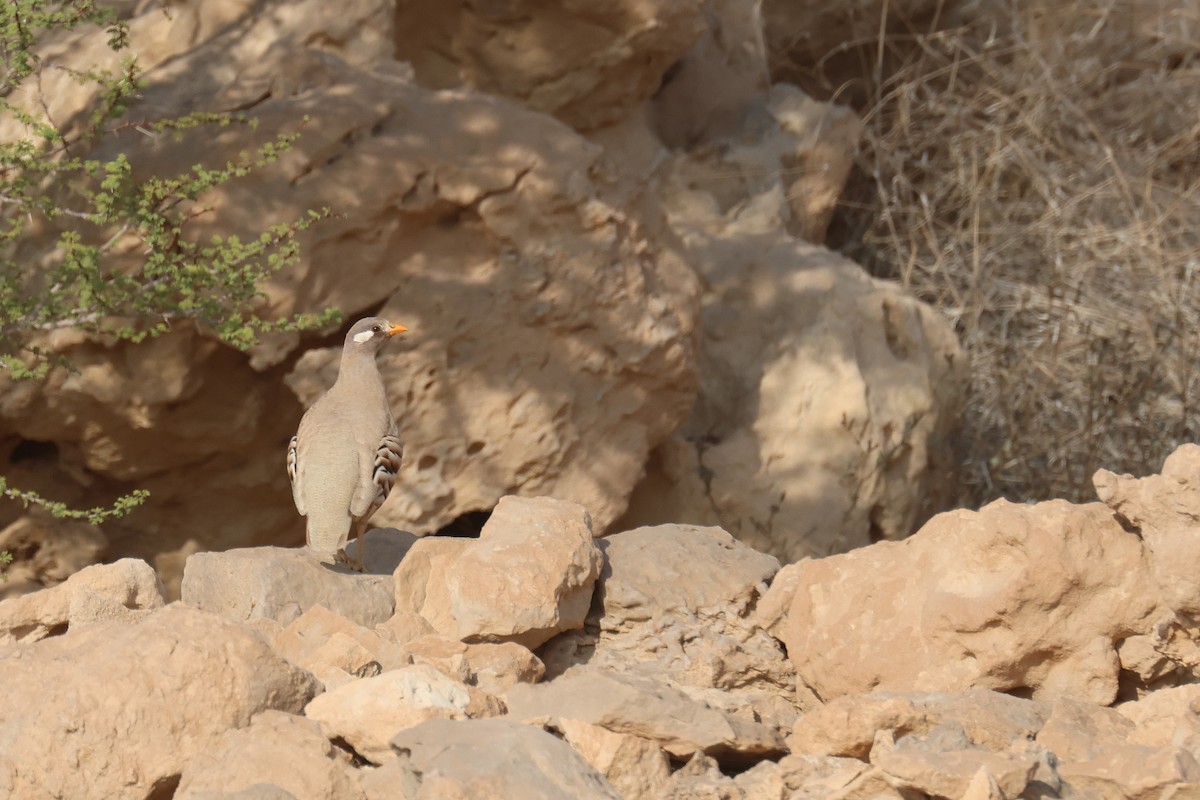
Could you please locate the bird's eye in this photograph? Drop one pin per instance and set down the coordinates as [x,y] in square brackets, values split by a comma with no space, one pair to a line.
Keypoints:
[376,328]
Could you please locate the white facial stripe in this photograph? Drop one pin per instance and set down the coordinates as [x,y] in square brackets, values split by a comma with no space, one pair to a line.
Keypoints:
[362,337]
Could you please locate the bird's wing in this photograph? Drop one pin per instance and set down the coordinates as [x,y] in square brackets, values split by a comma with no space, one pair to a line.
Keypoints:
[385,464]
[296,474]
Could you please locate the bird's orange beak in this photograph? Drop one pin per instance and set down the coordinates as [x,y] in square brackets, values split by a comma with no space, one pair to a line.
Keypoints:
[392,331]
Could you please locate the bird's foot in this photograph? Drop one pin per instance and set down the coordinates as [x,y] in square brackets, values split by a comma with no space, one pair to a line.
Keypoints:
[354,563]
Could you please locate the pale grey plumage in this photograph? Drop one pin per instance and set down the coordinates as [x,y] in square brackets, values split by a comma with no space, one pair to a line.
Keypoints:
[343,459]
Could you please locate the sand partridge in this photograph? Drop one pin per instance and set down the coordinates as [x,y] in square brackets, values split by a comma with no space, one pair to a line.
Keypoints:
[344,458]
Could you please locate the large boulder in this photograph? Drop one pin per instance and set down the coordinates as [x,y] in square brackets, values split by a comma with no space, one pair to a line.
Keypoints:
[96,593]
[1031,599]
[546,284]
[117,709]
[588,66]
[528,577]
[484,758]
[280,584]
[828,399]
[826,406]
[367,713]
[1164,509]
[276,749]
[648,709]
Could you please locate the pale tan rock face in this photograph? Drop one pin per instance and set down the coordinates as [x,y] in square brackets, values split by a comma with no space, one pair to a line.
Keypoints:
[278,749]
[1164,508]
[367,713]
[551,314]
[492,667]
[122,590]
[646,708]
[484,758]
[848,725]
[319,639]
[528,576]
[126,705]
[1028,598]
[637,767]
[673,604]
[826,404]
[589,65]
[1098,757]
[828,400]
[280,584]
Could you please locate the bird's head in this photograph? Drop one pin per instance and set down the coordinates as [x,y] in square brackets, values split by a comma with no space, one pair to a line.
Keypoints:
[368,335]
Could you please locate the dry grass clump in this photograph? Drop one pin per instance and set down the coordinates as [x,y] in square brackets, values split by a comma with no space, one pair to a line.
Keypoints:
[1037,177]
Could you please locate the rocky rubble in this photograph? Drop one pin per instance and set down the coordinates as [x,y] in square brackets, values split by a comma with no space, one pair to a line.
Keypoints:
[986,657]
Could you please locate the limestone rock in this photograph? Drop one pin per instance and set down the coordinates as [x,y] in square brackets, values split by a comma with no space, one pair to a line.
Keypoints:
[700,777]
[702,570]
[492,668]
[319,640]
[121,707]
[1168,716]
[828,399]
[672,604]
[283,750]
[784,167]
[849,725]
[938,770]
[95,593]
[484,758]
[367,713]
[405,626]
[645,708]
[1009,598]
[528,577]
[1164,508]
[707,93]
[588,69]
[281,584]
[636,767]
[1096,758]
[547,284]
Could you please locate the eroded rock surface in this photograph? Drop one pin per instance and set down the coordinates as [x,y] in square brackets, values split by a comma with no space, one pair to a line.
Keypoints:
[127,704]
[1019,598]
[528,576]
[96,593]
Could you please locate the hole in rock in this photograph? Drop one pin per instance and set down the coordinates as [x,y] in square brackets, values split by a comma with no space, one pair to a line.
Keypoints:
[427,462]
[164,788]
[33,450]
[466,526]
[474,447]
[345,746]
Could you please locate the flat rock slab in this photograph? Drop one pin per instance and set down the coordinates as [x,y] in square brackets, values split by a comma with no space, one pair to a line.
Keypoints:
[649,709]
[443,759]
[528,577]
[282,583]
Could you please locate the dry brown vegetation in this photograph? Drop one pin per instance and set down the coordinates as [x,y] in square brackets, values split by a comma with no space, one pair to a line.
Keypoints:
[1034,172]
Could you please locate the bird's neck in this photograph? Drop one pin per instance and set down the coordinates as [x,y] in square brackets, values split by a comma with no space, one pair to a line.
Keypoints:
[358,374]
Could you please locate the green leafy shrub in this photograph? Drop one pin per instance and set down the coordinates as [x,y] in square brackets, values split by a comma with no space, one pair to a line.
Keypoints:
[121,261]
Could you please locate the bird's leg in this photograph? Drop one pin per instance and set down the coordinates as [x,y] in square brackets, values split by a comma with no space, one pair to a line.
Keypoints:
[358,563]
